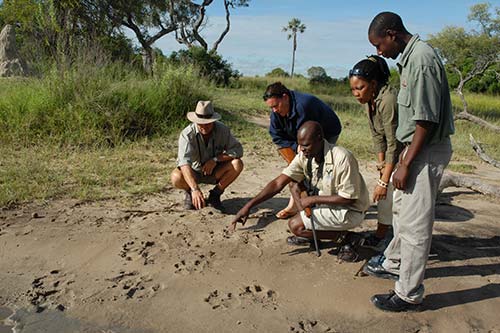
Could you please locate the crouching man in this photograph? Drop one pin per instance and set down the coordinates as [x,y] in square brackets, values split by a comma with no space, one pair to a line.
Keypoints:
[338,195]
[209,154]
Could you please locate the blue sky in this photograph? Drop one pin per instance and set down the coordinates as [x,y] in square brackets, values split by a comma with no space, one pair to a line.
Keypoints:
[335,37]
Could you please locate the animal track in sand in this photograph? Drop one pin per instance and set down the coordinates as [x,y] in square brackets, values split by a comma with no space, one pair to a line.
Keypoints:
[51,291]
[248,295]
[307,325]
[194,263]
[132,285]
[138,250]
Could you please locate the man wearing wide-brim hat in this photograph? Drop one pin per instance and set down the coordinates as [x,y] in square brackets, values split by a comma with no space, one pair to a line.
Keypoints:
[209,154]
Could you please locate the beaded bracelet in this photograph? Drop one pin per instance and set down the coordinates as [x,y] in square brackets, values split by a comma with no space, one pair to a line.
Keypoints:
[383,184]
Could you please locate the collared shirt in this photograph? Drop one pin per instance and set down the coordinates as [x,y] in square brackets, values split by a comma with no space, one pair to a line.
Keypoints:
[194,151]
[303,107]
[383,122]
[339,175]
[424,93]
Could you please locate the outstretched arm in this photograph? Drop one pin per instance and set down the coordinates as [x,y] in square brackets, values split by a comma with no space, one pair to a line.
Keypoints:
[272,188]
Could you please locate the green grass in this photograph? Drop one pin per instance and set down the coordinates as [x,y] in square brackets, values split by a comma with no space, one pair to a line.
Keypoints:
[484,106]
[97,106]
[108,133]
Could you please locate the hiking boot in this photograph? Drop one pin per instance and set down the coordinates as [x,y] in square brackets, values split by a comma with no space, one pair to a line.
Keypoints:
[213,199]
[393,303]
[188,201]
[374,268]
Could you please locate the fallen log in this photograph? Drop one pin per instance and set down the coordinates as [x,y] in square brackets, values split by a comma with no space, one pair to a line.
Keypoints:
[464,115]
[457,180]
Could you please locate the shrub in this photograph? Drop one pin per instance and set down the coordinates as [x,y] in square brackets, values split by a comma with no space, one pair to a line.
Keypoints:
[91,105]
[278,72]
[210,64]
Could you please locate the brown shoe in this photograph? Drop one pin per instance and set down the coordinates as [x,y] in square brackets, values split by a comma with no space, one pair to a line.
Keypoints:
[188,201]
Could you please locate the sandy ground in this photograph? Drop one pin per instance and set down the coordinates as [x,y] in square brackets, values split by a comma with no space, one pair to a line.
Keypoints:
[145,265]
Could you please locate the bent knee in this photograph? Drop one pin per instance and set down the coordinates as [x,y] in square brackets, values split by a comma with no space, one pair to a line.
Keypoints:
[176,178]
[295,224]
[237,164]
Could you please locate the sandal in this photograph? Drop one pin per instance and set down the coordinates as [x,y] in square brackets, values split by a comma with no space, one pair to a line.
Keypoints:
[296,240]
[285,214]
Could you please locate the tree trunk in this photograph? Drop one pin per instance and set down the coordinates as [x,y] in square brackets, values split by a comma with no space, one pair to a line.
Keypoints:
[148,60]
[456,180]
[293,54]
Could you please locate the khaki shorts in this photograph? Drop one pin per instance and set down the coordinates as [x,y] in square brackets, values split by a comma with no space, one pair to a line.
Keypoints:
[202,179]
[338,219]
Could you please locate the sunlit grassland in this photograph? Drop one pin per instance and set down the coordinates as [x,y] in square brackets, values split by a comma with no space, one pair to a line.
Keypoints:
[57,140]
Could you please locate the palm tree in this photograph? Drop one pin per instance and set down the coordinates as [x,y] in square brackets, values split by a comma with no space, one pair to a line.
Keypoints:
[292,28]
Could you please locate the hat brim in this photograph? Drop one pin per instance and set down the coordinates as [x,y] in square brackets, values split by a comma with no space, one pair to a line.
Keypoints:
[197,120]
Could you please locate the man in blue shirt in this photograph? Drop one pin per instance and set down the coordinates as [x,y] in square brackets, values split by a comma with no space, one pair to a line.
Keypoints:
[289,110]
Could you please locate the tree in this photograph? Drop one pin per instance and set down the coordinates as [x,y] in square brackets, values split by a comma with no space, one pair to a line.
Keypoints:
[294,27]
[317,74]
[61,30]
[210,64]
[145,16]
[150,20]
[278,72]
[188,31]
[471,53]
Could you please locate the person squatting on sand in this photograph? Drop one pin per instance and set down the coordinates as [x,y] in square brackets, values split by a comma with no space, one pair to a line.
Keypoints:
[208,153]
[340,197]
[369,80]
[289,110]
[425,123]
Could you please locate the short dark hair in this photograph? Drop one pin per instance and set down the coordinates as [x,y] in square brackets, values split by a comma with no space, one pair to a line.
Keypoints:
[372,68]
[276,89]
[384,21]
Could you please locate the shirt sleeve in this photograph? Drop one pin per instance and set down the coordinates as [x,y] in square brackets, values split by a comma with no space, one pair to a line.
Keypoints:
[185,150]
[425,94]
[389,112]
[378,139]
[295,169]
[349,183]
[233,147]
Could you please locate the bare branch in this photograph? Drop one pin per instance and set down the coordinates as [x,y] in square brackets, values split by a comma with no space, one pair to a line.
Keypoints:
[482,154]
[228,26]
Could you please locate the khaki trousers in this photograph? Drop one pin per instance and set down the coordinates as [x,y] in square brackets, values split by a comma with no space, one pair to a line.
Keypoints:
[413,219]
[384,207]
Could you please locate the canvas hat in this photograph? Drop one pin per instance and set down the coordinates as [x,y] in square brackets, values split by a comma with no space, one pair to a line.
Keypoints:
[204,113]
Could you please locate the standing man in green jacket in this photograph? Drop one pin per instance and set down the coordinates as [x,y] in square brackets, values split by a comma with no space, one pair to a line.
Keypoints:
[425,124]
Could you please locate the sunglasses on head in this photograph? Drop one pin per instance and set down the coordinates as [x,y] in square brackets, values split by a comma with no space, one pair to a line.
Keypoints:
[358,72]
[270,95]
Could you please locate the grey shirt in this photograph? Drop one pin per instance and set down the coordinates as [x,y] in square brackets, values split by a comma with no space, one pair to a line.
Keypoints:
[194,151]
[424,93]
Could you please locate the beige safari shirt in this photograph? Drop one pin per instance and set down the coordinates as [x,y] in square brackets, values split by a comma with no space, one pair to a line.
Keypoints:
[383,121]
[193,150]
[340,175]
[424,93]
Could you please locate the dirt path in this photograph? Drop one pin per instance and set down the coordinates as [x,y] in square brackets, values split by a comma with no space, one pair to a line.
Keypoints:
[144,265]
